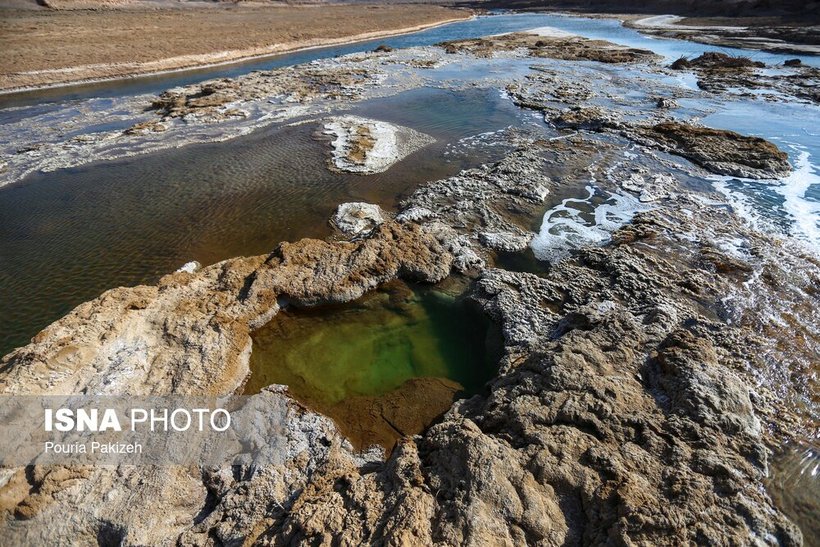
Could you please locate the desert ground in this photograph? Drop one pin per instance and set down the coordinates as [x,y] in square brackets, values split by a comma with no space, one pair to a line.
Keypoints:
[43,46]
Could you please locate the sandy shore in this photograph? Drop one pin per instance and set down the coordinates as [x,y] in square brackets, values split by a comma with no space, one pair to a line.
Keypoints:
[53,48]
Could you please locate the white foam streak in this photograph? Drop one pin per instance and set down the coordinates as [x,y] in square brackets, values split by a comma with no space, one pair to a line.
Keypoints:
[804,213]
[564,227]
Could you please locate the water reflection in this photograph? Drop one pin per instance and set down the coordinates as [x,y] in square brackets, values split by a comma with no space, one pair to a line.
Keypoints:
[794,485]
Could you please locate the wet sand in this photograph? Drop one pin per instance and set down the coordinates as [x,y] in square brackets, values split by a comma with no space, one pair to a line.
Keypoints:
[44,48]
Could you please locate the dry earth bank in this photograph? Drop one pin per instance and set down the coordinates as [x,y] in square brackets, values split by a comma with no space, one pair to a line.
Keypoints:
[42,48]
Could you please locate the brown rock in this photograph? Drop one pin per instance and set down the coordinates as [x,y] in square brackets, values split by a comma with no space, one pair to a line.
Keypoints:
[718,150]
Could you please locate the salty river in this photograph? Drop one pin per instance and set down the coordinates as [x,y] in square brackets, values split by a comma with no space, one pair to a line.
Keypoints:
[68,235]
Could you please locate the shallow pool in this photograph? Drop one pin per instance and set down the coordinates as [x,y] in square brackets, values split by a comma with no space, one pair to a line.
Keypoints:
[409,350]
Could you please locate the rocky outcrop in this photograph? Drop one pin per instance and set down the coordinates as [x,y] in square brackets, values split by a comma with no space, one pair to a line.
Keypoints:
[493,199]
[719,72]
[624,407]
[716,60]
[190,334]
[619,414]
[136,340]
[569,48]
[309,82]
[587,118]
[633,402]
[720,151]
[357,218]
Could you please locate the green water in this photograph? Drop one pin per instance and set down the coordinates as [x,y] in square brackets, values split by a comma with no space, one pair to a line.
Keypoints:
[374,345]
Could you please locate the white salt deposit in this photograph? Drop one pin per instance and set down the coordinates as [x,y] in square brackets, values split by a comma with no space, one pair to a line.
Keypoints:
[387,143]
[190,267]
[567,226]
[550,32]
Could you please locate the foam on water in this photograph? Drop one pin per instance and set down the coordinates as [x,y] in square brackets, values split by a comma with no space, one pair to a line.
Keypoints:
[802,211]
[567,226]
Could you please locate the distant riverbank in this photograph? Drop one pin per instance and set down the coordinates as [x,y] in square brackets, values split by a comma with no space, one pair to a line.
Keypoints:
[46,49]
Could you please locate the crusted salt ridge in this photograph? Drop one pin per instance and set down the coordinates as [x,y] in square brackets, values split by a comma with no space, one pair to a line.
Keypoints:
[366,146]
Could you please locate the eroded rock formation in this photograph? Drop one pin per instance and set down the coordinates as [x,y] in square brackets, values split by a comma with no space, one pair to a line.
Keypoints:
[624,408]
[631,405]
[719,72]
[720,151]
[568,48]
